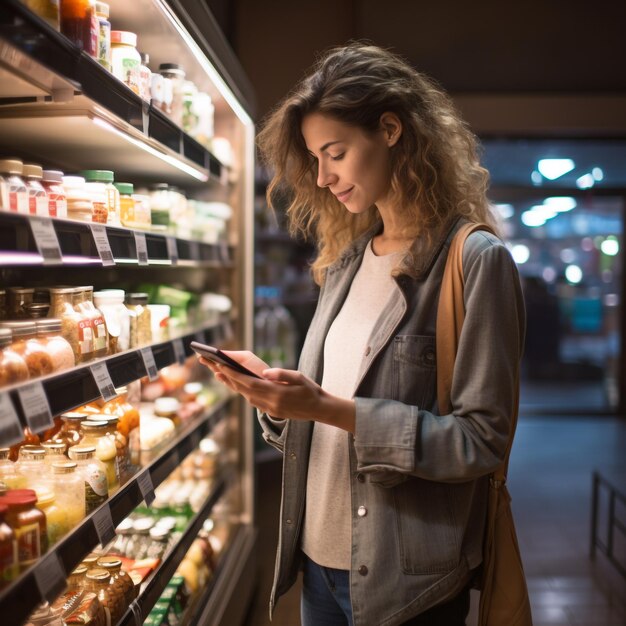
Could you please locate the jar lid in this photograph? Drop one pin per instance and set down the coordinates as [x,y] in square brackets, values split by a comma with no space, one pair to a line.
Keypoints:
[172,68]
[125,188]
[61,290]
[125,526]
[16,497]
[37,310]
[79,570]
[64,467]
[109,296]
[143,524]
[32,170]
[99,176]
[97,573]
[91,424]
[52,176]
[45,498]
[169,523]
[48,326]
[159,533]
[166,406]
[90,559]
[102,8]
[81,452]
[137,298]
[107,562]
[53,445]
[11,166]
[6,337]
[109,420]
[20,328]
[21,290]
[124,37]
[73,181]
[74,416]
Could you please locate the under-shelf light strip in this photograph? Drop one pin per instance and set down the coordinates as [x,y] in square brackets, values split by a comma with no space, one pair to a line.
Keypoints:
[211,72]
[170,160]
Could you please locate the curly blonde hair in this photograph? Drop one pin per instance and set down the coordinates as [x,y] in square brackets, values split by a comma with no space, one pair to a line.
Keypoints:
[436,173]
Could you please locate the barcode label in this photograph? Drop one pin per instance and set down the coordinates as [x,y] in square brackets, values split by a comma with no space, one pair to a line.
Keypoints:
[46,239]
[142,248]
[10,427]
[103,521]
[144,480]
[50,576]
[172,250]
[179,351]
[149,363]
[35,406]
[101,239]
[101,375]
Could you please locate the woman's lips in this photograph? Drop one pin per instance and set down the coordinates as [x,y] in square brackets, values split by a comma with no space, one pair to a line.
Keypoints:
[342,196]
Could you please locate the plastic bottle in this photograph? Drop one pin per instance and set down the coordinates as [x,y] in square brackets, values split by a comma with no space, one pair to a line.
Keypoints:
[85,305]
[69,488]
[80,25]
[16,196]
[106,177]
[37,196]
[125,58]
[117,317]
[52,181]
[104,34]
[127,203]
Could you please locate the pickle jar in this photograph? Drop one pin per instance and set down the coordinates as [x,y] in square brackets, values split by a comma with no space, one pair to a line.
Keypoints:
[54,452]
[29,347]
[118,577]
[140,319]
[94,475]
[96,433]
[84,304]
[59,348]
[76,328]
[18,298]
[98,581]
[122,456]
[57,521]
[10,475]
[70,433]
[13,368]
[31,461]
[76,579]
[69,487]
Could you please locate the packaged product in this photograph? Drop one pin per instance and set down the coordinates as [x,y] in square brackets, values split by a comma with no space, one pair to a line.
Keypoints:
[94,475]
[30,347]
[175,73]
[18,298]
[98,582]
[85,306]
[80,25]
[104,34]
[52,181]
[110,302]
[159,321]
[106,177]
[145,78]
[70,432]
[37,196]
[127,203]
[79,203]
[13,368]
[160,205]
[59,348]
[10,475]
[122,449]
[125,58]
[143,218]
[9,562]
[47,9]
[55,452]
[31,462]
[76,327]
[69,487]
[96,433]
[57,522]
[15,193]
[140,319]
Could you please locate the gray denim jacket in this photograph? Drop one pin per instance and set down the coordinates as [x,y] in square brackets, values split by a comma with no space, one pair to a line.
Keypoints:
[419,477]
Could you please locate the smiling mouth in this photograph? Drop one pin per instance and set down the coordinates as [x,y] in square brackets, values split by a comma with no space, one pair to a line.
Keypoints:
[342,195]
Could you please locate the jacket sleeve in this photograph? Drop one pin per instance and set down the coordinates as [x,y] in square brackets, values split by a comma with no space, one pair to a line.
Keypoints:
[471,441]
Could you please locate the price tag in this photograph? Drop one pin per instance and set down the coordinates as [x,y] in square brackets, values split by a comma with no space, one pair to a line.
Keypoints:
[35,406]
[142,248]
[144,480]
[100,373]
[101,239]
[135,609]
[145,118]
[172,250]
[50,576]
[179,351]
[46,240]
[103,521]
[10,427]
[149,363]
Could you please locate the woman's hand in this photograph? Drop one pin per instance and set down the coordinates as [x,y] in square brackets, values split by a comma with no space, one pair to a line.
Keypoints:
[283,394]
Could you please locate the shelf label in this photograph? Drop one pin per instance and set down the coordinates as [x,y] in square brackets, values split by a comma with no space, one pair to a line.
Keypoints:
[172,250]
[149,363]
[10,427]
[135,609]
[179,351]
[49,576]
[101,239]
[46,240]
[142,248]
[36,407]
[103,521]
[144,480]
[145,118]
[100,373]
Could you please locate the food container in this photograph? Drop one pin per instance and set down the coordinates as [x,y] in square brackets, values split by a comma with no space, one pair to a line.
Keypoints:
[75,326]
[104,35]
[122,449]
[13,368]
[15,198]
[106,177]
[37,196]
[70,433]
[116,316]
[80,205]
[59,348]
[80,25]
[69,487]
[175,73]
[9,563]
[18,299]
[57,523]
[30,347]
[52,181]
[96,433]
[94,475]
[125,58]
[85,306]
[31,462]
[140,319]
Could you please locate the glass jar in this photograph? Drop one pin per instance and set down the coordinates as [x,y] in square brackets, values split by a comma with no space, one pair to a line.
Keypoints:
[10,475]
[13,368]
[75,327]
[126,413]
[17,193]
[9,562]
[98,194]
[96,433]
[57,522]
[79,203]
[145,77]
[104,35]
[123,533]
[28,524]
[94,475]
[143,217]
[122,449]
[69,488]
[97,580]
[55,452]
[118,577]
[18,299]
[3,304]
[32,464]
[140,319]
[106,177]
[70,433]
[84,304]
[160,207]
[141,537]
[59,348]
[52,181]
[116,316]
[176,74]
[76,579]
[80,25]
[29,347]
[159,542]
[37,310]
[127,204]
[125,58]
[37,197]
[30,439]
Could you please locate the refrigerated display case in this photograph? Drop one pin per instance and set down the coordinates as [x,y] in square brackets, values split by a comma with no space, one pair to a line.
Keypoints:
[60,108]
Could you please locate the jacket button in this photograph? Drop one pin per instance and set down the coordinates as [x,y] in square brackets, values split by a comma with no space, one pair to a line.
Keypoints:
[362,511]
[360,477]
[363,570]
[368,350]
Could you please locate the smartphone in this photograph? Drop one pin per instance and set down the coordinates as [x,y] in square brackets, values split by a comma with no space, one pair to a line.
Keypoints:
[216,355]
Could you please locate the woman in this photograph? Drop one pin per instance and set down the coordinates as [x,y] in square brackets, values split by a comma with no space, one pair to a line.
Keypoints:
[383,502]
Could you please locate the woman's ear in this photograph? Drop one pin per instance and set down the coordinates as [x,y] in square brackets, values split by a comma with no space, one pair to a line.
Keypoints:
[391,125]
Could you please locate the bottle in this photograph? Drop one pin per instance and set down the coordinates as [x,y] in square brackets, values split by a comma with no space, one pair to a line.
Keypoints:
[95,433]
[118,577]
[9,562]
[70,433]
[86,307]
[59,348]
[122,449]
[75,326]
[143,218]
[16,199]
[57,522]
[13,368]
[52,181]
[140,319]
[55,452]
[10,475]
[104,34]
[98,194]
[37,196]
[175,73]
[69,488]
[98,581]
[116,316]
[112,194]
[79,203]
[145,78]
[94,475]
[80,25]
[31,463]
[127,203]
[125,58]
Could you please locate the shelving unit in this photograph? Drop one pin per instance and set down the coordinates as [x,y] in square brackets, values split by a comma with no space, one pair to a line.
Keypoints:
[60,108]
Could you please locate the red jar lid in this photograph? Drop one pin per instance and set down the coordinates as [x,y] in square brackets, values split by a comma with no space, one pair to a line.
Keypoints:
[19,497]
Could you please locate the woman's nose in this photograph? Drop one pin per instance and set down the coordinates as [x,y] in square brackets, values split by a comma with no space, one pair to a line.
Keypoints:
[324,176]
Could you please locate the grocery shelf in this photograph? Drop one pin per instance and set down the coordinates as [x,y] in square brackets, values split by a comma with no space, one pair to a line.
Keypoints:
[77,245]
[76,387]
[46,578]
[60,117]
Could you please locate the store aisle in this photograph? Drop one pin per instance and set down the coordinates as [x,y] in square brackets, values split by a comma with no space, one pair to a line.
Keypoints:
[550,482]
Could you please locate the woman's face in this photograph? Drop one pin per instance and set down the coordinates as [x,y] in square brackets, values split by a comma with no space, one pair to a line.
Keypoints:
[352,164]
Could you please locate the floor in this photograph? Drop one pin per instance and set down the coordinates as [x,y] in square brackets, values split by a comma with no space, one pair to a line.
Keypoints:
[550,480]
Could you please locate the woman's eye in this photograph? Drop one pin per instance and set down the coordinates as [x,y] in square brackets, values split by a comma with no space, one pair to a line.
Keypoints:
[338,157]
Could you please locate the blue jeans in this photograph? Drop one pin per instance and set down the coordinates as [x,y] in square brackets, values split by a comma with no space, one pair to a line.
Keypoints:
[326,601]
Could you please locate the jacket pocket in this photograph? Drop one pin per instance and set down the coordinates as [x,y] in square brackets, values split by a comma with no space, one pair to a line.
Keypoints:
[428,534]
[414,370]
